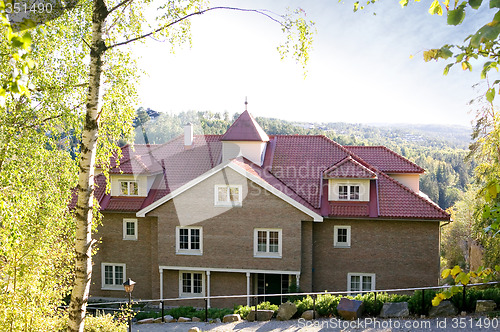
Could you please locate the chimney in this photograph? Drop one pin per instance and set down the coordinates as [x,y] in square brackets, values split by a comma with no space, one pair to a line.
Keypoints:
[188,136]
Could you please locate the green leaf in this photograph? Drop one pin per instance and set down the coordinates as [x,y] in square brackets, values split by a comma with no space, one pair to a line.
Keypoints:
[456,16]
[490,95]
[447,68]
[494,3]
[436,8]
[445,53]
[475,4]
[445,273]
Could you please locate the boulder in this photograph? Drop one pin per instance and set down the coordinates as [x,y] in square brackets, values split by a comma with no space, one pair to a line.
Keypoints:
[309,315]
[231,318]
[286,311]
[169,319]
[183,319]
[196,319]
[157,320]
[261,315]
[445,308]
[396,309]
[146,321]
[350,309]
[214,321]
[194,329]
[485,305]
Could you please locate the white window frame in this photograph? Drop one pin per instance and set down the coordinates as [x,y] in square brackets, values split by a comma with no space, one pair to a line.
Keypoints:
[361,275]
[228,202]
[191,294]
[133,237]
[190,251]
[349,185]
[128,187]
[267,254]
[336,242]
[103,277]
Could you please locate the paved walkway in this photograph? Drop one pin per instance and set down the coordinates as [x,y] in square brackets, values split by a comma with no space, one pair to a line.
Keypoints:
[464,324]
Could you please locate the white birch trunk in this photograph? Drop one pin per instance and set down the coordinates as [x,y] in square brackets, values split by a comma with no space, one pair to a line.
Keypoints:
[84,206]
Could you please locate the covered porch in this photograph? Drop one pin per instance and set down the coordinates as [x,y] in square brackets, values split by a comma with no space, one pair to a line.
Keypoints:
[189,282]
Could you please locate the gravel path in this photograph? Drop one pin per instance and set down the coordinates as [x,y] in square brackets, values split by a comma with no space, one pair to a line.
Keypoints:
[464,324]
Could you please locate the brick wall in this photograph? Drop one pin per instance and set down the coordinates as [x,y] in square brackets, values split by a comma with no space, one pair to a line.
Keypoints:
[228,233]
[137,255]
[400,253]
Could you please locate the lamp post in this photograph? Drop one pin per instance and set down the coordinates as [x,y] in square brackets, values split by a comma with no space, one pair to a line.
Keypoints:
[129,287]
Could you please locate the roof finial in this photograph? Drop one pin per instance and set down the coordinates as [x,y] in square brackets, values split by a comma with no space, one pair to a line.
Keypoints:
[246,103]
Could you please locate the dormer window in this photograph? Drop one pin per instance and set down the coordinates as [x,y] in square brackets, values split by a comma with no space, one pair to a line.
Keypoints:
[129,188]
[348,192]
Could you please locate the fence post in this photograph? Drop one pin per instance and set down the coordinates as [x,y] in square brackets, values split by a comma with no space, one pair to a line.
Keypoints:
[423,302]
[163,311]
[314,306]
[375,298]
[463,300]
[206,310]
[256,307]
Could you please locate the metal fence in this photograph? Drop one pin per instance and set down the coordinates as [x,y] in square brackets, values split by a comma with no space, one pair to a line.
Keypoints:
[313,295]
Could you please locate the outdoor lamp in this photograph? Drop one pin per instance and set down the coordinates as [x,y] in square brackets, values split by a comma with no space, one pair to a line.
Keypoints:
[129,287]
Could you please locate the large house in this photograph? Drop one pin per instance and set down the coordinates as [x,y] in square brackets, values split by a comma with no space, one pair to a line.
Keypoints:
[250,213]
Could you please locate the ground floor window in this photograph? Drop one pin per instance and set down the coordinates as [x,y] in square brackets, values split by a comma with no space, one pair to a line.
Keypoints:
[113,276]
[191,284]
[357,282]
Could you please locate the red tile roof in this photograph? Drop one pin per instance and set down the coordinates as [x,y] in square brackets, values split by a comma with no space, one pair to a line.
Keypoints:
[245,128]
[349,168]
[294,164]
[385,159]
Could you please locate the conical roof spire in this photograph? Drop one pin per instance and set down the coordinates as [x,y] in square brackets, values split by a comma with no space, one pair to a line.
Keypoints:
[245,128]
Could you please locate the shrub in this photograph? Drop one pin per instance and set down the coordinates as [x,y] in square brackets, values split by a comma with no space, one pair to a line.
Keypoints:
[326,305]
[99,323]
[243,311]
[147,314]
[213,313]
[473,294]
[105,323]
[415,302]
[304,305]
[181,312]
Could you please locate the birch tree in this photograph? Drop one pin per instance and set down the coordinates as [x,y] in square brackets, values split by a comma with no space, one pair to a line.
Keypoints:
[118,24]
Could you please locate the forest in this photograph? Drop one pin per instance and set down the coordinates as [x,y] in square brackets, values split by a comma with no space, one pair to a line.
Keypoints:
[440,150]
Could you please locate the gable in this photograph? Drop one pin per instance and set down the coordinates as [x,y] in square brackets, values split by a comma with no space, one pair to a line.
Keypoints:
[349,169]
[204,186]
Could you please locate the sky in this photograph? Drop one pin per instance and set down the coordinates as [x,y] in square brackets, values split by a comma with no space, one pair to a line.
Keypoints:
[360,69]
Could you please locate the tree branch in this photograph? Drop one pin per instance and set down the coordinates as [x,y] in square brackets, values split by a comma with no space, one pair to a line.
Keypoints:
[258,11]
[118,6]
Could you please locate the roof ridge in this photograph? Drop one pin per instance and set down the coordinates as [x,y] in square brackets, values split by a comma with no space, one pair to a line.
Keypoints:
[391,152]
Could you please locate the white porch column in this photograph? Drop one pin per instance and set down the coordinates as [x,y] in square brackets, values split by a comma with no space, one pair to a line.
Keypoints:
[248,288]
[208,289]
[161,283]
[297,277]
